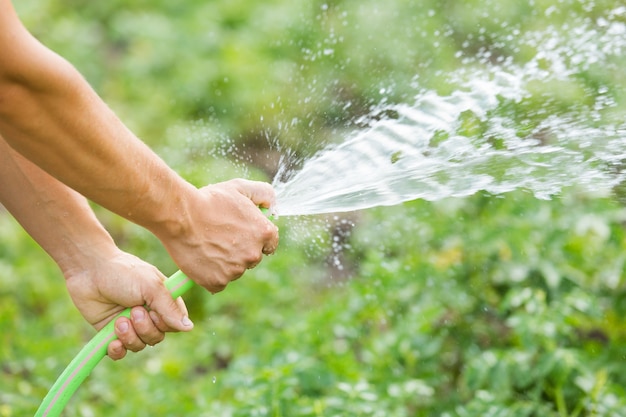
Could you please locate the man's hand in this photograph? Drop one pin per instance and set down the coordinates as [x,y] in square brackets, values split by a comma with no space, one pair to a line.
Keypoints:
[111,283]
[222,232]
[101,279]
[213,234]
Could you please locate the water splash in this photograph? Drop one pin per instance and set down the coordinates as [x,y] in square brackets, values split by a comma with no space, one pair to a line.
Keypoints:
[484,136]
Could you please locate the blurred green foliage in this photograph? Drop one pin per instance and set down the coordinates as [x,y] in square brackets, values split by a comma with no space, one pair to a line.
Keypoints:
[489,305]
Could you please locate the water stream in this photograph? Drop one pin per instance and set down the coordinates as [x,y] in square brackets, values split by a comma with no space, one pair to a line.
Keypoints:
[488,135]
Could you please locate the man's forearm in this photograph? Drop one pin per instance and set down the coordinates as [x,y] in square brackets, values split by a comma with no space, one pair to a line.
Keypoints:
[101,279]
[59,219]
[50,114]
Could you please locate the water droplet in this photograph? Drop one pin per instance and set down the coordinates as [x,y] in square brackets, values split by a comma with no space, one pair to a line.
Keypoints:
[437,151]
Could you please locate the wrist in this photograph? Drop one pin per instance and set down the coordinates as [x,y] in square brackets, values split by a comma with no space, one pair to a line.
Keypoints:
[168,209]
[79,255]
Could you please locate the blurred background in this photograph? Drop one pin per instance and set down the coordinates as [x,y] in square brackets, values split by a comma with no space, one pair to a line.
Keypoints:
[488,305]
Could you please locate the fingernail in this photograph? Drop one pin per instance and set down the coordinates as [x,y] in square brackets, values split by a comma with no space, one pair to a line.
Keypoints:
[138,315]
[186,322]
[122,327]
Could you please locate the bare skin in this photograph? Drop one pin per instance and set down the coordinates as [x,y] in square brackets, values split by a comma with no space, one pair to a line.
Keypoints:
[62,222]
[52,117]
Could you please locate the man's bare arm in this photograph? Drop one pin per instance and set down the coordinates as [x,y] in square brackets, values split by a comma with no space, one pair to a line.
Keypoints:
[50,115]
[101,279]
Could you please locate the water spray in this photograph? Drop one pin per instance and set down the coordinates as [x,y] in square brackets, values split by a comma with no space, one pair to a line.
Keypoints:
[426,152]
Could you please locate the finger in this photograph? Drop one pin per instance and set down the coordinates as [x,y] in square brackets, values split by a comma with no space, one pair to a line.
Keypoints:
[116,350]
[261,193]
[160,323]
[126,334]
[181,305]
[270,238]
[145,327]
[173,315]
[253,265]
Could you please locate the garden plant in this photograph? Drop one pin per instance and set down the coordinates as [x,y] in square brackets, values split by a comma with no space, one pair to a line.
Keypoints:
[486,305]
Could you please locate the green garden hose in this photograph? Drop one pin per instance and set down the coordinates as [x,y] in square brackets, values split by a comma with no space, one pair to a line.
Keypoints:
[87,359]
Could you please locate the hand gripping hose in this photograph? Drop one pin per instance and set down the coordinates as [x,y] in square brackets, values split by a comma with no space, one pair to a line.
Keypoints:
[87,359]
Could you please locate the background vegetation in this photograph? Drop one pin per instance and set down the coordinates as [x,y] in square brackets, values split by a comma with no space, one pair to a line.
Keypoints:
[489,305]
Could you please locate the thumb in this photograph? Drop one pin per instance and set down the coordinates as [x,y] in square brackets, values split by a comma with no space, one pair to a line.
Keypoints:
[172,312]
[261,193]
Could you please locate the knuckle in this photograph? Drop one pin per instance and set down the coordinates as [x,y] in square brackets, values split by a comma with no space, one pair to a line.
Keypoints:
[156,339]
[215,288]
[116,350]
[223,281]
[116,356]
[254,258]
[237,271]
[136,346]
[217,284]
[156,282]
[236,182]
[270,232]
